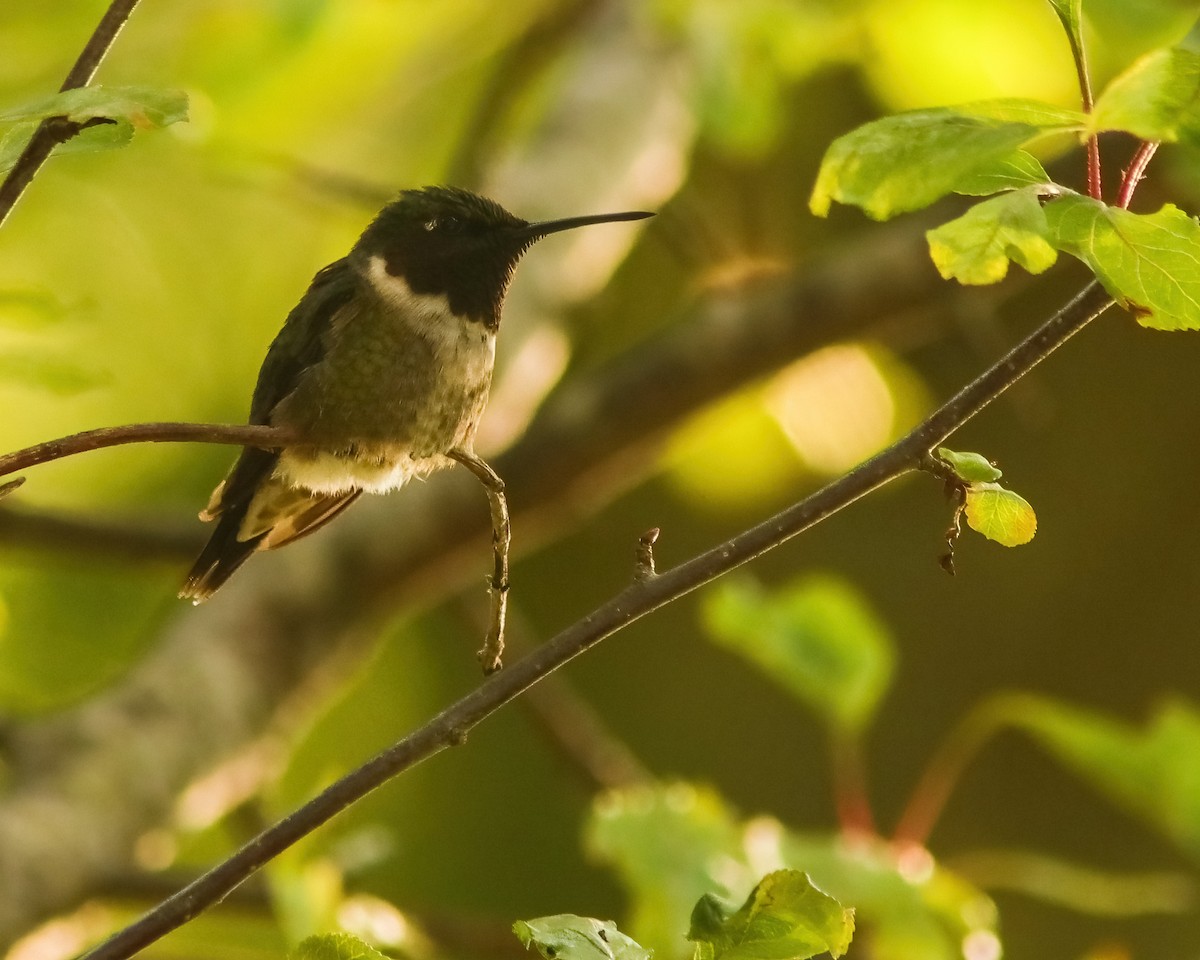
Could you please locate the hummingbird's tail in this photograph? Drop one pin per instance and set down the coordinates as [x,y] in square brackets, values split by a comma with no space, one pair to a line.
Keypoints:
[225,550]
[255,511]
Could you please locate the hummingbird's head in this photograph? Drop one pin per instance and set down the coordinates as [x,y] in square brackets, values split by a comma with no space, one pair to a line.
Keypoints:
[451,242]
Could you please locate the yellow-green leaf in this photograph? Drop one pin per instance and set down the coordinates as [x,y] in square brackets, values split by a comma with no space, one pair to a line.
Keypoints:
[1000,514]
[978,246]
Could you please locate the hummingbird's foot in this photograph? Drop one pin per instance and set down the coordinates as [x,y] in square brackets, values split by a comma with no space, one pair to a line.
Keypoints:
[492,652]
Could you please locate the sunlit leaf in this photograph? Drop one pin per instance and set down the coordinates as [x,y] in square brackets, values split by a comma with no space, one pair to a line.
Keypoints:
[568,937]
[784,918]
[1150,263]
[1153,772]
[1158,98]
[817,637]
[907,161]
[1036,113]
[977,247]
[335,946]
[1000,514]
[970,467]
[1020,169]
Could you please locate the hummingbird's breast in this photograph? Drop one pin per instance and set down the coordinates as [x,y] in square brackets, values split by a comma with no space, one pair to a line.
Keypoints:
[403,381]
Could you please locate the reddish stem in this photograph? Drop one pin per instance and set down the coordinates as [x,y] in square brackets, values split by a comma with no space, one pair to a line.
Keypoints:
[850,786]
[948,763]
[1135,172]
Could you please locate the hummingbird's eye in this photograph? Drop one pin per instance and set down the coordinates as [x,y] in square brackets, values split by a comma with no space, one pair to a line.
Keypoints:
[431,225]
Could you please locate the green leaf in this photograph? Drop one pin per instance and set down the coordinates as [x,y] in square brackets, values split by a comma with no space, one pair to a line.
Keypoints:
[142,107]
[784,918]
[1158,98]
[817,637]
[970,467]
[1148,262]
[977,247]
[1153,772]
[1048,117]
[568,937]
[128,109]
[1020,169]
[907,161]
[335,946]
[1000,514]
[911,905]
[674,844]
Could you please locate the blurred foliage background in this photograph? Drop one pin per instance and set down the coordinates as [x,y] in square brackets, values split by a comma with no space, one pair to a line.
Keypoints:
[146,283]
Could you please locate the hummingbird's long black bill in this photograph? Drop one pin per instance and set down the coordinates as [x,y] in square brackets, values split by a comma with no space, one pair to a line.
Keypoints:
[536,231]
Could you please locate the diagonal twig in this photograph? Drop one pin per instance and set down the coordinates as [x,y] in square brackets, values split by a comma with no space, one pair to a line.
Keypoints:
[451,726]
[57,130]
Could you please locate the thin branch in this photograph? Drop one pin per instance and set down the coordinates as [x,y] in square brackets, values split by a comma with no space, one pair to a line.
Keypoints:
[57,130]
[1135,172]
[451,726]
[233,434]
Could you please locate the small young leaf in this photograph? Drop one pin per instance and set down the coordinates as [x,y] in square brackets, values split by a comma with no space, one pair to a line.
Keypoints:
[1158,98]
[1000,514]
[335,946]
[977,247]
[784,918]
[1153,772]
[818,637]
[568,937]
[970,467]
[907,161]
[1148,262]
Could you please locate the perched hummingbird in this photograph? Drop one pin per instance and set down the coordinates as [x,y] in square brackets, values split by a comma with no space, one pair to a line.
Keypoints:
[382,368]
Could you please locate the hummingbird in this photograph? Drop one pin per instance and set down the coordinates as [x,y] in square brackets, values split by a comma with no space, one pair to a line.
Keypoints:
[382,371]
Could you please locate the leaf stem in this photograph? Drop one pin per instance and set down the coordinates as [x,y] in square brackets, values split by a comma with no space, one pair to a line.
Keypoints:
[948,763]
[850,785]
[1135,172]
[57,130]
[1079,55]
[451,726]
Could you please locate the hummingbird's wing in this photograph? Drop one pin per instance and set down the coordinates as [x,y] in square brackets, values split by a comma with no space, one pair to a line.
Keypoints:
[281,513]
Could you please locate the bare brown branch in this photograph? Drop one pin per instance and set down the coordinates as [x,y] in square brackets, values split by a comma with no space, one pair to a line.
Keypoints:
[69,446]
[450,727]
